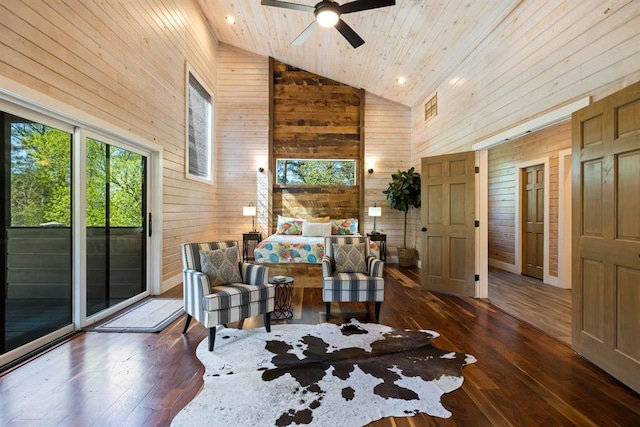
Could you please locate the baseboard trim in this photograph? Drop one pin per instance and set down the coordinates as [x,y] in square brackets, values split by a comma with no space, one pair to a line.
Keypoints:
[511,268]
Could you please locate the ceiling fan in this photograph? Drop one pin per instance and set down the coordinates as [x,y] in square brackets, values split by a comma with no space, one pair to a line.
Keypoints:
[328,13]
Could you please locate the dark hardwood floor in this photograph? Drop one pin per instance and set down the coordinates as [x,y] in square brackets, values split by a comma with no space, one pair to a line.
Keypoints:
[543,306]
[523,377]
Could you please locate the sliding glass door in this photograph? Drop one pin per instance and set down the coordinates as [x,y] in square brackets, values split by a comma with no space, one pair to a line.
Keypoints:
[75,229]
[116,225]
[36,221]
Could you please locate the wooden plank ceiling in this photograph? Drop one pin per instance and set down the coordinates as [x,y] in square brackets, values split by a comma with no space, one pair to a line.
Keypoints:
[421,40]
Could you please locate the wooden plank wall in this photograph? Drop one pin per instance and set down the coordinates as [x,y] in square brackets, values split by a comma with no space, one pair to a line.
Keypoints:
[544,55]
[124,63]
[242,141]
[387,149]
[503,170]
[315,118]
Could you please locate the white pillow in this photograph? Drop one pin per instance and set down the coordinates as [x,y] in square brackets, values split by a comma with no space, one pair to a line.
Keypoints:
[316,229]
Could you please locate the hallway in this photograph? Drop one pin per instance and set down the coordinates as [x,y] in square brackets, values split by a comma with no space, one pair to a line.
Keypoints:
[546,307]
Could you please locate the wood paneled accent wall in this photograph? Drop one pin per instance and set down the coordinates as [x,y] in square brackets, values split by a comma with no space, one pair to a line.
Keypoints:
[503,170]
[313,117]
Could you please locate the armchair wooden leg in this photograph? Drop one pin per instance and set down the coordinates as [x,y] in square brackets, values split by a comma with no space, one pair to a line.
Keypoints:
[378,304]
[328,310]
[212,337]
[267,321]
[186,324]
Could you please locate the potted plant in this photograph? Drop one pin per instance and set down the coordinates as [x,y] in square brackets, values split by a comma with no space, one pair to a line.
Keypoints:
[403,194]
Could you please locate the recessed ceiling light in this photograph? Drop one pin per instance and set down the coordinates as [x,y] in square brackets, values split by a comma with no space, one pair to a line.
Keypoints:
[230,19]
[401,80]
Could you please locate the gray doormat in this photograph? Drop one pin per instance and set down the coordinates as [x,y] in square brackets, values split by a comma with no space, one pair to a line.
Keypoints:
[152,315]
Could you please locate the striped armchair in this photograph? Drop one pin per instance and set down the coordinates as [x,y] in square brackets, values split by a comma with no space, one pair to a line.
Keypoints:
[349,276]
[218,305]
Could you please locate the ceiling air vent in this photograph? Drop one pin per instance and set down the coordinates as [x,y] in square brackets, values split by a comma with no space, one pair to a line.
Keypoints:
[431,108]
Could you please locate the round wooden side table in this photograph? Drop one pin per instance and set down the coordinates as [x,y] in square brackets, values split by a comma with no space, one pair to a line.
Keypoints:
[283,308]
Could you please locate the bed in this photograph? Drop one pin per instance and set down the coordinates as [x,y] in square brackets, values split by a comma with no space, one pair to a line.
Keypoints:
[297,247]
[284,249]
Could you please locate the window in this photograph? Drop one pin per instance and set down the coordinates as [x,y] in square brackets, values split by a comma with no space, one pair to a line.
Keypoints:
[315,172]
[431,108]
[199,158]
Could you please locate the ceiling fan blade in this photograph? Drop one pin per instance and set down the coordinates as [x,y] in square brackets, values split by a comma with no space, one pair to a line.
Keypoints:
[287,5]
[306,33]
[360,5]
[348,33]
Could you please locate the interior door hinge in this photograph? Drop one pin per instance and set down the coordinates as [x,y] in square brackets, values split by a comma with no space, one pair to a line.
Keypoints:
[476,224]
[476,278]
[477,169]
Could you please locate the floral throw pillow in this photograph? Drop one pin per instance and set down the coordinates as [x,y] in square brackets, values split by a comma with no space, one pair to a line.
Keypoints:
[349,258]
[221,266]
[291,226]
[342,227]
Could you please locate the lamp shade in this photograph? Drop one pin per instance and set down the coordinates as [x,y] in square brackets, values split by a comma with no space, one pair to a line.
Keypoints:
[248,211]
[375,211]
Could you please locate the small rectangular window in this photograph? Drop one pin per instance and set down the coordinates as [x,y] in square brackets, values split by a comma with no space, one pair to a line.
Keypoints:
[431,108]
[315,172]
[199,149]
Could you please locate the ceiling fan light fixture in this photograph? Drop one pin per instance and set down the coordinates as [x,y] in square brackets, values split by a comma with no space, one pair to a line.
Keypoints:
[327,14]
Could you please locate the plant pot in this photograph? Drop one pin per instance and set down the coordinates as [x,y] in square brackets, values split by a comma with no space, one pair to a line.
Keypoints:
[405,257]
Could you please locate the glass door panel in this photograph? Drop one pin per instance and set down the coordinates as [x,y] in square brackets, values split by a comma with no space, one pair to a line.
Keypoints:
[116,232]
[36,245]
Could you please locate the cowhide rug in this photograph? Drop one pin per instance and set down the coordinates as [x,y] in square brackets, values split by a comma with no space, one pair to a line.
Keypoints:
[326,374]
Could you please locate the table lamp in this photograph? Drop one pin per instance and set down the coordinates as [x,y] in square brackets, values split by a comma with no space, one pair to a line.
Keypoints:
[250,211]
[375,212]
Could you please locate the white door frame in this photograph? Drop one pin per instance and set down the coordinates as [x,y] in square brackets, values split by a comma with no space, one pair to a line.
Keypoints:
[564,219]
[546,278]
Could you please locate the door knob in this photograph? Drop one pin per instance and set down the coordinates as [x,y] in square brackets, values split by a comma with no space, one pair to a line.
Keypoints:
[424,229]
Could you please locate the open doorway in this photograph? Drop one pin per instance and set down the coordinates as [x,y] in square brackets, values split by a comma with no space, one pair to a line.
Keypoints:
[529,210]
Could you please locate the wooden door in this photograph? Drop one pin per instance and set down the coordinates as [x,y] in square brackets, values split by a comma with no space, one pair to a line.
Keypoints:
[533,221]
[606,234]
[447,217]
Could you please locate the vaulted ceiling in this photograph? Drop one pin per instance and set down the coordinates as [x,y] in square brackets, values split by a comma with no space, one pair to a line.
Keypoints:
[423,41]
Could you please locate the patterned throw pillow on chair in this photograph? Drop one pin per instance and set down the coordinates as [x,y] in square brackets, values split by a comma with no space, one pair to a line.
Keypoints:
[221,266]
[349,258]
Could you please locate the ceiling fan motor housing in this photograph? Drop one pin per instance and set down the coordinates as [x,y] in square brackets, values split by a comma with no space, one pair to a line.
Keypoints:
[327,13]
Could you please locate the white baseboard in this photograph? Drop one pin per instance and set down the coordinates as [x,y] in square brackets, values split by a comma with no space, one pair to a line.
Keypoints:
[553,281]
[511,268]
[172,282]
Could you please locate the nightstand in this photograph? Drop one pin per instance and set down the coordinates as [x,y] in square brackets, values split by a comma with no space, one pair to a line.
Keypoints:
[381,238]
[248,246]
